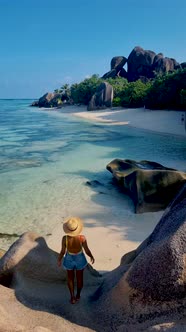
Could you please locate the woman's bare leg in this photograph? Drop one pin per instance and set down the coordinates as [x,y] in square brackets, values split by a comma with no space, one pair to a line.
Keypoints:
[79,277]
[70,276]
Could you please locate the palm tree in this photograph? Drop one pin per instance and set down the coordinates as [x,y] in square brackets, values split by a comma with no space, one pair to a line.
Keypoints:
[57,91]
[65,91]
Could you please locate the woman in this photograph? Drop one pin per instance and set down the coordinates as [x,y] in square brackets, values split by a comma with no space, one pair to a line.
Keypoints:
[74,259]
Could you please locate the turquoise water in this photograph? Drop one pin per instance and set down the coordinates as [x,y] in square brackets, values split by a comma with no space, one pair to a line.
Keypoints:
[46,157]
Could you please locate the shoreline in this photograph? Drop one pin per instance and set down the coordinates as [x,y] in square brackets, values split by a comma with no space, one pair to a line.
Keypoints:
[111,226]
[158,121]
[114,240]
[117,232]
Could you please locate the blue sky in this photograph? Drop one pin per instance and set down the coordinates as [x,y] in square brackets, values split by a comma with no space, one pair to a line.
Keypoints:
[45,44]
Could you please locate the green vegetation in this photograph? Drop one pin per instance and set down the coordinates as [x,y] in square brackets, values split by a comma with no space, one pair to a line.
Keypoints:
[65,92]
[119,85]
[82,92]
[135,94]
[166,91]
[183,98]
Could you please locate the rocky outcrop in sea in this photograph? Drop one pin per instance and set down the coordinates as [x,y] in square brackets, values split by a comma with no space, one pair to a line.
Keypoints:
[151,185]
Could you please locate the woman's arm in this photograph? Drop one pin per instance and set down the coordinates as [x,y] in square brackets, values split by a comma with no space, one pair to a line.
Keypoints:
[62,252]
[88,252]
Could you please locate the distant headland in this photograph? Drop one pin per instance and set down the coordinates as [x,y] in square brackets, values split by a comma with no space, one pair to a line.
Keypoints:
[150,79]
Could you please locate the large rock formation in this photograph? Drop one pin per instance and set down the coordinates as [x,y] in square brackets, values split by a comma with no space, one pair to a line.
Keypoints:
[29,258]
[153,282]
[29,268]
[150,185]
[163,65]
[118,62]
[49,100]
[163,251]
[117,69]
[146,289]
[111,74]
[142,64]
[18,317]
[102,98]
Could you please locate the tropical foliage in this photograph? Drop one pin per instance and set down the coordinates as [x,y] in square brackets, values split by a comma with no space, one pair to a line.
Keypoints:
[82,92]
[135,93]
[183,98]
[166,91]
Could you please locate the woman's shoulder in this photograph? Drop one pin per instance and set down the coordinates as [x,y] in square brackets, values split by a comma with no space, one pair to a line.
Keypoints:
[82,238]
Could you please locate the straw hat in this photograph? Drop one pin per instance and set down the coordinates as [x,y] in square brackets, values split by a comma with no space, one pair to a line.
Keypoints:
[73,226]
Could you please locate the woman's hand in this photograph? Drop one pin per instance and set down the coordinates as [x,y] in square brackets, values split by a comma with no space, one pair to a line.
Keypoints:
[92,260]
[88,252]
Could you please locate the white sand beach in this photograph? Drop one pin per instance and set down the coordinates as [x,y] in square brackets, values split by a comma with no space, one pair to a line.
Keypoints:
[169,122]
[115,230]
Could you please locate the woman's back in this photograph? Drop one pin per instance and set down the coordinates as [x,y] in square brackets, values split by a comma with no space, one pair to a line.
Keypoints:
[74,243]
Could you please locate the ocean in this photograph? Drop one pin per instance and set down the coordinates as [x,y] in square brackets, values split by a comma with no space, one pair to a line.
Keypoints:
[47,157]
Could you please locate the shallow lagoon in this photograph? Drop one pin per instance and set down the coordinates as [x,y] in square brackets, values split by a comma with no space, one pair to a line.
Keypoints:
[47,157]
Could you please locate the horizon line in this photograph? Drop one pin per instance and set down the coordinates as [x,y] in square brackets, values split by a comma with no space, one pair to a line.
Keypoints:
[17,98]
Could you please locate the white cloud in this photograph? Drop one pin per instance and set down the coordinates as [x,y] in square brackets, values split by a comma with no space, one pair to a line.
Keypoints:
[87,76]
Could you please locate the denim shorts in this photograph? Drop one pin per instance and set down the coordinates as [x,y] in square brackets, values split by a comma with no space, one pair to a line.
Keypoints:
[74,262]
